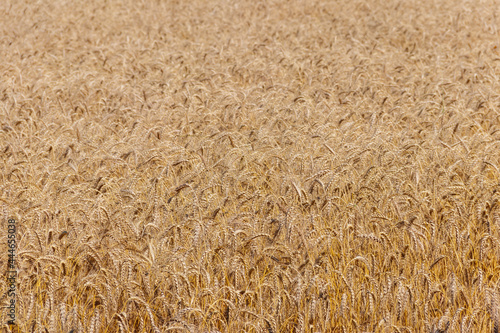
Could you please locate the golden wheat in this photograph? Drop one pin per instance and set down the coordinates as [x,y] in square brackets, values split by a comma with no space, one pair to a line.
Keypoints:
[251,166]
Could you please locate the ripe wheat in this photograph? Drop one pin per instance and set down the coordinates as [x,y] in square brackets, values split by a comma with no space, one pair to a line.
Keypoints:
[252,166]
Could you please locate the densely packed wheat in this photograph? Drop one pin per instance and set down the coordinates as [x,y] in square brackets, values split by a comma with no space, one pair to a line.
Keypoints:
[252,166]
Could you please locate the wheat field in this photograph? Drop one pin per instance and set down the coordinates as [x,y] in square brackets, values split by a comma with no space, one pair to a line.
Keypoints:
[251,166]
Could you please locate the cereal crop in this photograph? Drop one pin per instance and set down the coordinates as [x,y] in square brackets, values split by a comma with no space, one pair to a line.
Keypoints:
[251,166]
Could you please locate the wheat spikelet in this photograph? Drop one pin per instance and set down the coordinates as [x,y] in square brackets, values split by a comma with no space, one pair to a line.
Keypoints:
[94,322]
[120,325]
[46,307]
[52,322]
[482,248]
[400,299]
[30,307]
[142,324]
[371,237]
[453,287]
[122,321]
[38,321]
[300,326]
[63,315]
[454,321]
[151,318]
